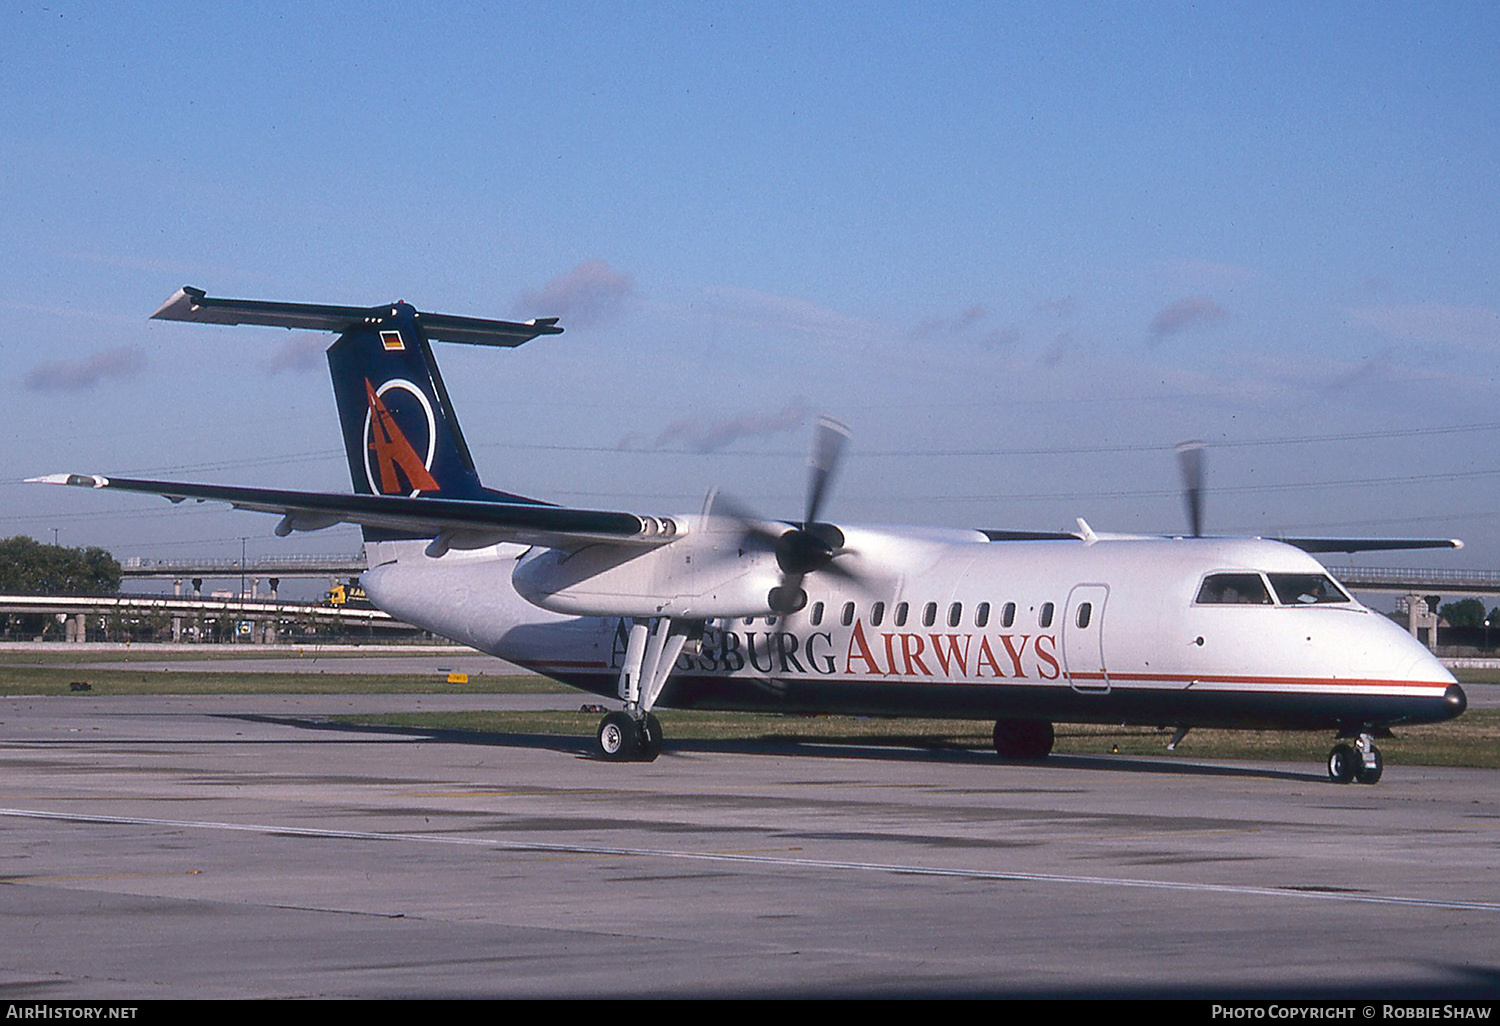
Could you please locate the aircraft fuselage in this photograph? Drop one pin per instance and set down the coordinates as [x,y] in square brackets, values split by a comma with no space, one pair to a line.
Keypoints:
[1115,631]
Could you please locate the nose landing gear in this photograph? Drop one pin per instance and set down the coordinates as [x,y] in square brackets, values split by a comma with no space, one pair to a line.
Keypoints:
[1357,762]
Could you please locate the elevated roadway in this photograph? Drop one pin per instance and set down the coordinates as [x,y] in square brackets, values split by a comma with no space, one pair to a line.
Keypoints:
[314,566]
[1408,581]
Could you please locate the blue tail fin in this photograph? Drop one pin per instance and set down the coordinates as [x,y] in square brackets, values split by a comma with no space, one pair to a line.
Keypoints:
[400,432]
[401,435]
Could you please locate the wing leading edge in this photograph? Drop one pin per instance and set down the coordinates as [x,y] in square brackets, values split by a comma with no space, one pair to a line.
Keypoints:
[1367,544]
[1306,544]
[456,523]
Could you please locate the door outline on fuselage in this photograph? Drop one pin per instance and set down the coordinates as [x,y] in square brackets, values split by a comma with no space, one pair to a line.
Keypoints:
[1083,647]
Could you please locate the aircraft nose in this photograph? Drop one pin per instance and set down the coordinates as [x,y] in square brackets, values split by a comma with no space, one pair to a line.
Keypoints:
[1454,700]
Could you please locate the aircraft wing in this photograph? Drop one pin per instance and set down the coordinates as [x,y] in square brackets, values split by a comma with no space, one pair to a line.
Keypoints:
[464,523]
[1368,544]
[1311,545]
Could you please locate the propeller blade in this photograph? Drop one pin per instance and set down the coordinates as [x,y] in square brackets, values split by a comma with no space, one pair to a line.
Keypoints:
[768,532]
[808,547]
[828,446]
[1190,461]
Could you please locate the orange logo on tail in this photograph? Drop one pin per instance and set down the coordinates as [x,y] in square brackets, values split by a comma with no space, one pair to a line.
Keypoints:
[393,452]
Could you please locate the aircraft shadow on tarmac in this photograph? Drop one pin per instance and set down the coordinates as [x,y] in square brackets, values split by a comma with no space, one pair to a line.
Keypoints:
[584,748]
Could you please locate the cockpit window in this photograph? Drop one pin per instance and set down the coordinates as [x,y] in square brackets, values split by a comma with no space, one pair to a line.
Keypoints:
[1306,589]
[1233,590]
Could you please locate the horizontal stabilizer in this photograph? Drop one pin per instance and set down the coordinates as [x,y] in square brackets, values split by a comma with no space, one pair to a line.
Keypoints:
[190,304]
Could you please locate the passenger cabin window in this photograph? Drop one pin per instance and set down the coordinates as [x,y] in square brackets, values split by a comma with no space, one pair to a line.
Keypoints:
[848,616]
[929,614]
[955,614]
[877,614]
[1046,618]
[1306,589]
[1085,612]
[816,616]
[901,610]
[982,615]
[1008,615]
[1233,590]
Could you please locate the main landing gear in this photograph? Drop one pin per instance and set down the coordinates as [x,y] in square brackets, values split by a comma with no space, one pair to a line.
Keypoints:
[623,738]
[1358,761]
[634,734]
[1023,739]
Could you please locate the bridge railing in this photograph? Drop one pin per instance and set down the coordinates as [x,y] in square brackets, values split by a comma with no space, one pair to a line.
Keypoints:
[137,565]
[1418,580]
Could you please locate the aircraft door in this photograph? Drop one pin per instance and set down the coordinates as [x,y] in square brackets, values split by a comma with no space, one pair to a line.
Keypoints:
[1083,639]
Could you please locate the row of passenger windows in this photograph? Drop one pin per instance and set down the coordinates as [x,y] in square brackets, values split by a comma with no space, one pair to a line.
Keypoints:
[901,613]
[1217,589]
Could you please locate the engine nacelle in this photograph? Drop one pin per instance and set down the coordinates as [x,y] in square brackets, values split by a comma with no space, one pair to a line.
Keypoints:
[699,575]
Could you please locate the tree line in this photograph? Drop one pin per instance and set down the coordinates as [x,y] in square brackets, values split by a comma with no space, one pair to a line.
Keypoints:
[27,567]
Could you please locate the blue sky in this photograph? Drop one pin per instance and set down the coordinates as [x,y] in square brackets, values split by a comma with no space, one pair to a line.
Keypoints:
[1021,249]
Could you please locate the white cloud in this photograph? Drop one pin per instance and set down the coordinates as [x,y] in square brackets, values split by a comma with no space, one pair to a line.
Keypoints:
[1191,312]
[1470,326]
[302,352]
[589,294]
[774,314]
[85,373]
[704,435]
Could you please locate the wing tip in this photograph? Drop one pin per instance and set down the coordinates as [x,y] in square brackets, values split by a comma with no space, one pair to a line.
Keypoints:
[180,306]
[77,480]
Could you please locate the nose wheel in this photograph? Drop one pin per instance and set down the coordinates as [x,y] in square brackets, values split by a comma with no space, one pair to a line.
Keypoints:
[1355,762]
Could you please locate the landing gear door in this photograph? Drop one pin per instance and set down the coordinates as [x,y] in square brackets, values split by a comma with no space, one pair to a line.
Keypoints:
[1083,639]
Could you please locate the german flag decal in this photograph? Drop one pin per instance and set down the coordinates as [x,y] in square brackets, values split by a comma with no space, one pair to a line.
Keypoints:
[392,340]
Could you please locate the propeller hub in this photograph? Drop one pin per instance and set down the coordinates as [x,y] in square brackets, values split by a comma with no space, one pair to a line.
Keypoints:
[804,549]
[810,546]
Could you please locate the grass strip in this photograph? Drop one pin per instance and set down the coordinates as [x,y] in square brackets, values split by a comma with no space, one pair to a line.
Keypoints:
[52,680]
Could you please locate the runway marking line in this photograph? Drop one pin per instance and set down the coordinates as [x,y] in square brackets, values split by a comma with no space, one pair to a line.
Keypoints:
[894,869]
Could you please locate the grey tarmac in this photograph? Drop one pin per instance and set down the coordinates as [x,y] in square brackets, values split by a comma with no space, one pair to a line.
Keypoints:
[229,846]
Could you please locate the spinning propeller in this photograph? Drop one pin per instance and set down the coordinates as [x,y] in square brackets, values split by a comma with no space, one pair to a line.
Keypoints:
[810,546]
[1190,462]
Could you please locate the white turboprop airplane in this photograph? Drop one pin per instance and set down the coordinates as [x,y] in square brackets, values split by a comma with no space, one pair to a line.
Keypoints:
[727,611]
